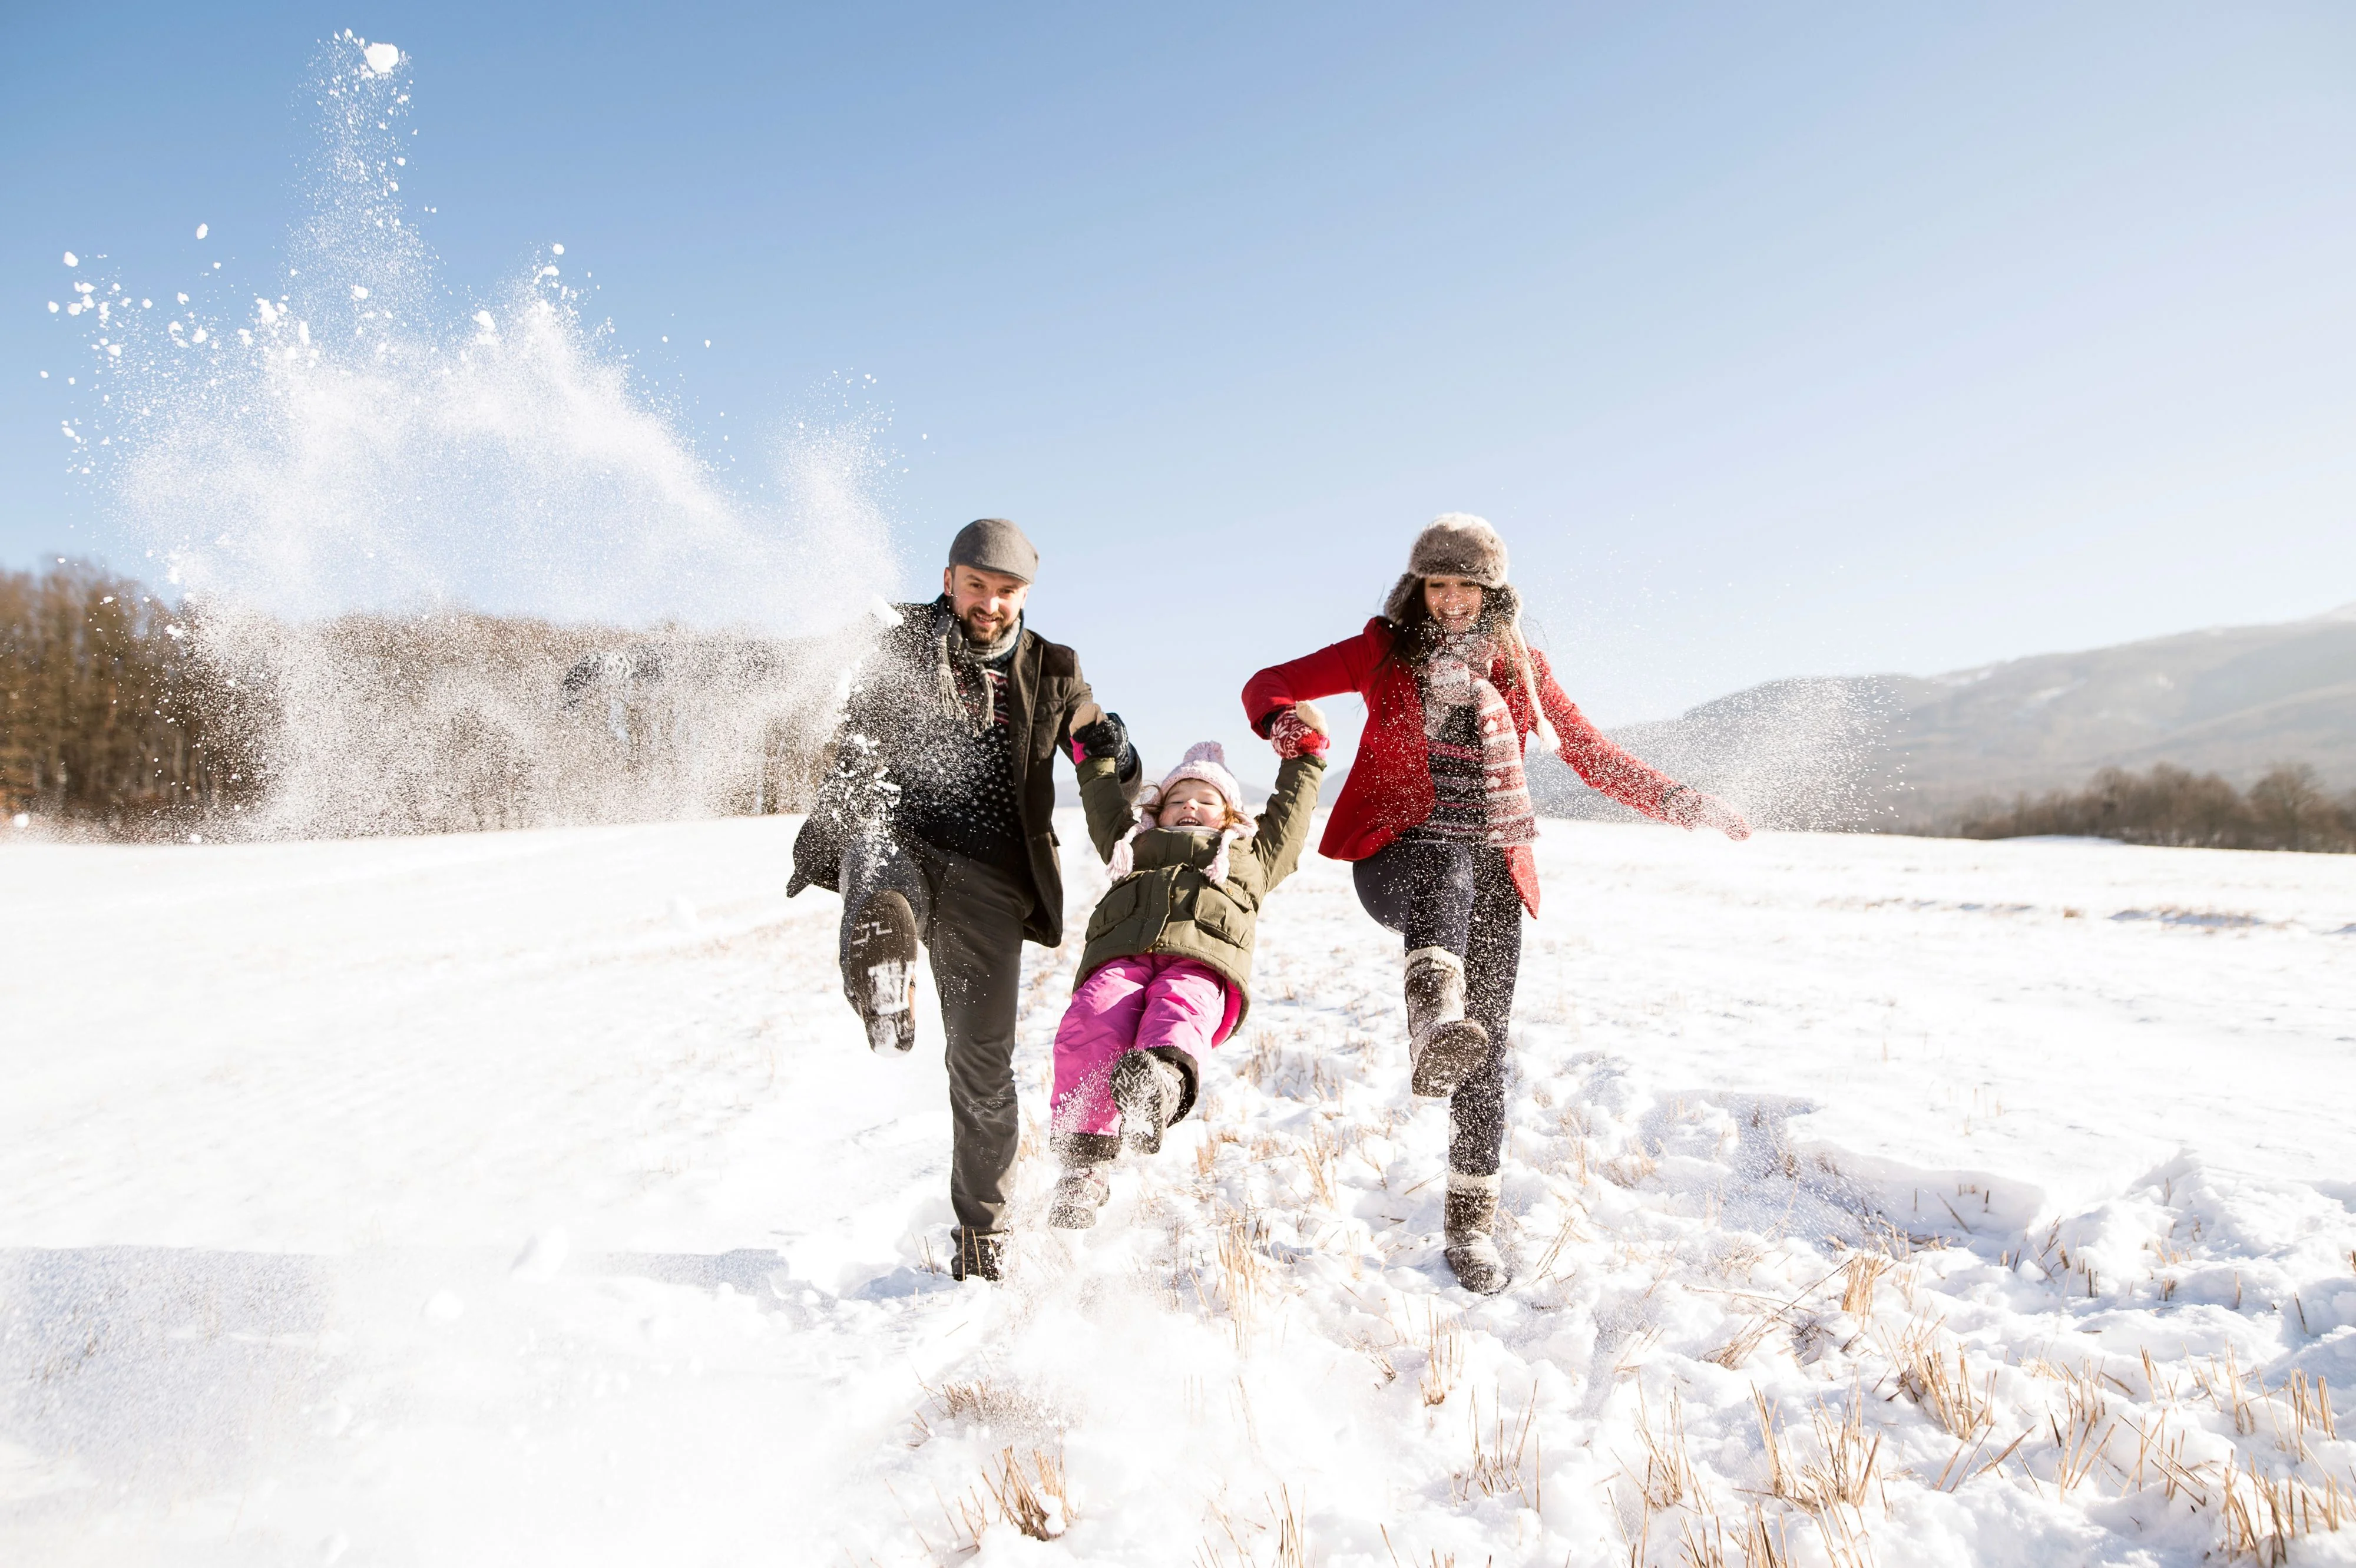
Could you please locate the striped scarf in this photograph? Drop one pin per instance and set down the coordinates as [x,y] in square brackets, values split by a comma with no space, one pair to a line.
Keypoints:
[1449,682]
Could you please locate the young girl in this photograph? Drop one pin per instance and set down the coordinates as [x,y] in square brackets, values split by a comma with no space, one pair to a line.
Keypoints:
[1168,961]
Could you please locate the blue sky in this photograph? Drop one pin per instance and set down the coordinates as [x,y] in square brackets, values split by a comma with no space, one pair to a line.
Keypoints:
[1777,340]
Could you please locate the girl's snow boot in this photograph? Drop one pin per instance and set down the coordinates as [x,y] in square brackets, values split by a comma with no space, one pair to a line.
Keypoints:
[1080,1192]
[1148,1092]
[1442,1045]
[881,971]
[1472,1252]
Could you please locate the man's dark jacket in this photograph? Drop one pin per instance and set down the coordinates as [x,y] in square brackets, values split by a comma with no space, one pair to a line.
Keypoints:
[891,717]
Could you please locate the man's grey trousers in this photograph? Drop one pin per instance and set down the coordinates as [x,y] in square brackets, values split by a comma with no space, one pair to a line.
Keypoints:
[970,916]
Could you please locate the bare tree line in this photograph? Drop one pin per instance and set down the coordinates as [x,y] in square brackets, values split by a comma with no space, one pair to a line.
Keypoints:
[128,717]
[2286,810]
[108,715]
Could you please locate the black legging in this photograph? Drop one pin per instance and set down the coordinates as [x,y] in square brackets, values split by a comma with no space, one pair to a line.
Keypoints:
[1446,893]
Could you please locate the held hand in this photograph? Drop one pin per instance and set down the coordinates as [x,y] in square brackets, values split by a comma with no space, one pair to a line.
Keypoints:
[1713,812]
[1105,737]
[1299,729]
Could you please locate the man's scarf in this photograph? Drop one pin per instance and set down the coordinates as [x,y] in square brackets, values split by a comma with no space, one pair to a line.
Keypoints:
[1449,683]
[964,684]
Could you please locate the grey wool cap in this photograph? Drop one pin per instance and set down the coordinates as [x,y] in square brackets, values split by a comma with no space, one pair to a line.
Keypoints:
[994,544]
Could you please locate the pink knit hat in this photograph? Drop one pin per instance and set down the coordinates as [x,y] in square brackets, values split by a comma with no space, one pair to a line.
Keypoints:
[1207,761]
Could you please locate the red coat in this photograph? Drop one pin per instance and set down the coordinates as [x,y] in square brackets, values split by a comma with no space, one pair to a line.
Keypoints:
[1389,788]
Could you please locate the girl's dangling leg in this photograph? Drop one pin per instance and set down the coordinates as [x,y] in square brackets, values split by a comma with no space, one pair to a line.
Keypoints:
[1097,1027]
[1187,1010]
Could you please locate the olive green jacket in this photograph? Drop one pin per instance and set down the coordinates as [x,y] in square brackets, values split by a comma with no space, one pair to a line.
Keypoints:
[1169,903]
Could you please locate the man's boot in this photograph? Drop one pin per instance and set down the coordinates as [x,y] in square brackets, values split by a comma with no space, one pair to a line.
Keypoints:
[980,1255]
[1080,1193]
[881,971]
[1442,1045]
[1471,1251]
[1148,1092]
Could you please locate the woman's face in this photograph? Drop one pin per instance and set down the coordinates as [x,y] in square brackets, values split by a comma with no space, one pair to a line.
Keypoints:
[1454,602]
[1192,803]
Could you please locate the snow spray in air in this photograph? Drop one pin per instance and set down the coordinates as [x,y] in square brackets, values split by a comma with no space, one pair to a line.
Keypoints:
[1802,753]
[415,527]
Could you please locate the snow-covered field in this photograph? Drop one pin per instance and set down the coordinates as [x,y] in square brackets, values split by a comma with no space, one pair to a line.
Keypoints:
[529,1199]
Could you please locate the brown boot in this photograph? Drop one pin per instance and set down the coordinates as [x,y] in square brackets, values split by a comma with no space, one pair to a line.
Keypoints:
[1443,1047]
[1471,1251]
[880,970]
[980,1255]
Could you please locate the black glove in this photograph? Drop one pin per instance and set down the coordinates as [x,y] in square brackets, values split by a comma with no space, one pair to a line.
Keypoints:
[1109,737]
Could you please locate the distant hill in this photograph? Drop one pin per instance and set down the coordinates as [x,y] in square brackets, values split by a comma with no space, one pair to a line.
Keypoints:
[1910,749]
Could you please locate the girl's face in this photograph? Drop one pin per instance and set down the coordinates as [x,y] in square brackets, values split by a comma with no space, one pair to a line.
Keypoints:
[1190,803]
[1453,602]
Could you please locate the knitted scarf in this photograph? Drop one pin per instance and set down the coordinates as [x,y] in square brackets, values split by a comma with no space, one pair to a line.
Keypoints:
[964,686]
[1449,682]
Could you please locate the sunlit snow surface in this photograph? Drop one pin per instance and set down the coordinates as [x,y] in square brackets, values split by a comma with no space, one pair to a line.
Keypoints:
[529,1198]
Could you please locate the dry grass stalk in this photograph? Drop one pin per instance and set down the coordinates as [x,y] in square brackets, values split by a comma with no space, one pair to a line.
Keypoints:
[1324,1149]
[1562,1237]
[1627,1170]
[1669,1477]
[1764,1545]
[1942,1387]
[1864,1270]
[1494,1470]
[1032,1498]
[2310,1409]
[1292,1539]
[1443,1360]
[1738,1350]
[1844,1469]
[1243,1272]
[2078,1441]
[2263,1517]
[2223,1385]
[2153,1450]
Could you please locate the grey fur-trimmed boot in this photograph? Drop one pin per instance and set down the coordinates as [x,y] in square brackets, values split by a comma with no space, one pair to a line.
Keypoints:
[1443,1047]
[1080,1193]
[1082,1189]
[1471,1250]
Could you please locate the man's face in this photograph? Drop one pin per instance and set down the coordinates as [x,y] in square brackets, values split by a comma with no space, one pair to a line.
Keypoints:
[988,602]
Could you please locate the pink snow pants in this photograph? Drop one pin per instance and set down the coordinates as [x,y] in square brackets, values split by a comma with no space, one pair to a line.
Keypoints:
[1133,1003]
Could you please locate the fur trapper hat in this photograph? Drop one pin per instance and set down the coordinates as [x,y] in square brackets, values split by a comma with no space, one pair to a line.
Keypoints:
[1455,544]
[1207,761]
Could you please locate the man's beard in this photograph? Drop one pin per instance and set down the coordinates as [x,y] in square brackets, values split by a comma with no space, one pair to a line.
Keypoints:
[980,629]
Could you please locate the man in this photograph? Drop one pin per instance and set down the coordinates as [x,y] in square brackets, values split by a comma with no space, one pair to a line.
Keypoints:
[935,824]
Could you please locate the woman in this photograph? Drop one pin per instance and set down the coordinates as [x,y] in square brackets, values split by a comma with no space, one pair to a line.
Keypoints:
[1436,815]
